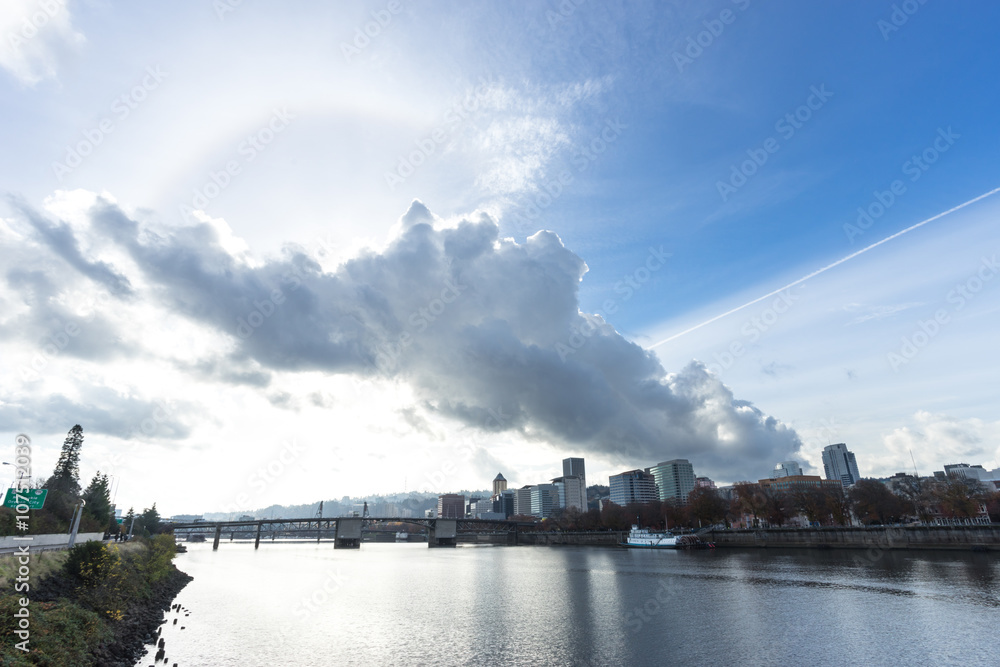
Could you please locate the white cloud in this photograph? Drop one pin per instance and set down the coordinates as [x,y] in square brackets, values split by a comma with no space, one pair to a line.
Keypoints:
[34,36]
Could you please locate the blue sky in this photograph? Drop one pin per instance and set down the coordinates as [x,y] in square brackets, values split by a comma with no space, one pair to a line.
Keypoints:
[608,125]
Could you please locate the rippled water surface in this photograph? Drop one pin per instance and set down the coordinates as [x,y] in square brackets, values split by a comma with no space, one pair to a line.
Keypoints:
[405,604]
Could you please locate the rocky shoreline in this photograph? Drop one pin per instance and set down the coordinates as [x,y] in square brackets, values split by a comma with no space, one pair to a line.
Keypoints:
[141,620]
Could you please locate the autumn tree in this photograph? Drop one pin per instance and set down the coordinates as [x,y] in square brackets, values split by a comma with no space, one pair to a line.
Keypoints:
[958,497]
[810,501]
[777,506]
[873,502]
[749,500]
[706,505]
[837,506]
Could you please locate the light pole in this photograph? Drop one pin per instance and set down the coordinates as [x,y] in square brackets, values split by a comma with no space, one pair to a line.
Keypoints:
[76,522]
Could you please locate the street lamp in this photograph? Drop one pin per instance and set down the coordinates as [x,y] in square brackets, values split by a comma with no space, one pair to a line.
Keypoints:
[76,522]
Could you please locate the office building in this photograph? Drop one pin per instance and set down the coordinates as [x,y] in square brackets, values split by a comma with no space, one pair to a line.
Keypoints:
[544,499]
[974,472]
[571,492]
[839,464]
[451,506]
[503,503]
[522,501]
[792,482]
[674,479]
[787,469]
[499,484]
[633,486]
[575,468]
[703,483]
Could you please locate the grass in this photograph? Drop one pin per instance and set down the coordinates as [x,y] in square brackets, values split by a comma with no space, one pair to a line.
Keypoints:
[43,563]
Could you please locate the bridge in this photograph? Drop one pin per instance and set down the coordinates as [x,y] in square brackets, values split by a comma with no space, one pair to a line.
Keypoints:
[346,531]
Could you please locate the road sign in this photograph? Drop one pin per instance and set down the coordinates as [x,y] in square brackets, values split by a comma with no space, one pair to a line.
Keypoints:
[33,498]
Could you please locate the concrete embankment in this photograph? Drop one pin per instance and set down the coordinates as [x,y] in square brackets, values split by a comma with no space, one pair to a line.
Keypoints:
[599,538]
[10,543]
[964,538]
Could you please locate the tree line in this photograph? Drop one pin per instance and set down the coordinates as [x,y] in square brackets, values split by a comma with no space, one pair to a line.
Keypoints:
[64,495]
[869,502]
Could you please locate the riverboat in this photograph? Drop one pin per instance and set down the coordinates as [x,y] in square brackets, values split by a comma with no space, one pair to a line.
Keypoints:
[643,538]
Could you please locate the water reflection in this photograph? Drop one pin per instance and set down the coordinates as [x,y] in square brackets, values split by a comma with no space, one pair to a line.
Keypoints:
[404,604]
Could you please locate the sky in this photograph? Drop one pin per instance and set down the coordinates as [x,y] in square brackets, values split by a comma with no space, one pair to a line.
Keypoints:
[272,253]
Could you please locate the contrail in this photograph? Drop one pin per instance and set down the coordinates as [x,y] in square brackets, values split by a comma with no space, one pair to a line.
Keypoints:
[826,268]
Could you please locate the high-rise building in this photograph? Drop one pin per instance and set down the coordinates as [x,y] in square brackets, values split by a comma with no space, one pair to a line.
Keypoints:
[544,499]
[522,501]
[839,464]
[575,468]
[634,486]
[499,484]
[703,483]
[451,506]
[503,503]
[571,492]
[787,469]
[674,479]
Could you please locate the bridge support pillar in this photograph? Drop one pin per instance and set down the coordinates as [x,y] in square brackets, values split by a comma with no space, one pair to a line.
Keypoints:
[348,535]
[442,533]
[256,542]
[218,534]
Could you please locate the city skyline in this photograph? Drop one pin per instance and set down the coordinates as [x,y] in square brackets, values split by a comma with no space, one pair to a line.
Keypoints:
[605,231]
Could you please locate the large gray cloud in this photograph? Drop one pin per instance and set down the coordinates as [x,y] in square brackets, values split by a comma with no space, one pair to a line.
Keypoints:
[487,331]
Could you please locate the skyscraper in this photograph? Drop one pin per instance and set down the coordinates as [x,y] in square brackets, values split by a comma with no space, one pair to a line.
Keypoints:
[499,484]
[674,479]
[544,498]
[575,468]
[571,492]
[839,464]
[634,486]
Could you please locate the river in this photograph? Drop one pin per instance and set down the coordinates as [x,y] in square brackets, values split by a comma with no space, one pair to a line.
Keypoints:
[404,604]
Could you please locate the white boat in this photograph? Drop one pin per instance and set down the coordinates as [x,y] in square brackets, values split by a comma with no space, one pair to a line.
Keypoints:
[643,538]
[402,536]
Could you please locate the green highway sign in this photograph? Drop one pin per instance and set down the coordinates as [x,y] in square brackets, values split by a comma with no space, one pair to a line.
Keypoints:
[33,498]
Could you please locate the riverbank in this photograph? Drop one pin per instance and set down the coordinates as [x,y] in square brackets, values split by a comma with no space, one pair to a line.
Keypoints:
[952,538]
[99,608]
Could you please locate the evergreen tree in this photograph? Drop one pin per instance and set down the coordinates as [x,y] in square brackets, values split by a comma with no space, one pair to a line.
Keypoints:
[127,521]
[66,476]
[98,497]
[150,520]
